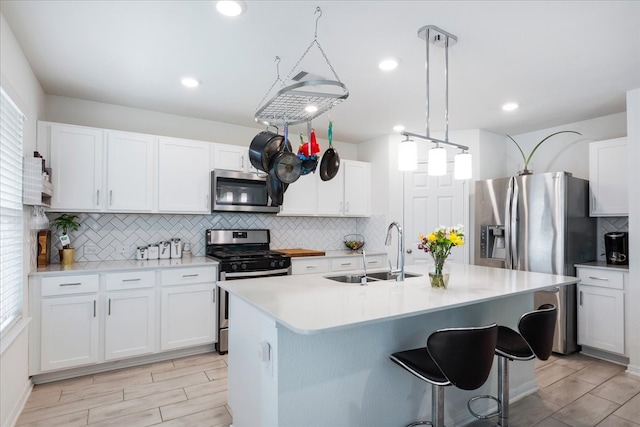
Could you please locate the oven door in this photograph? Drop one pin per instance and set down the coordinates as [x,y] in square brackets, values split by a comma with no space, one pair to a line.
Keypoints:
[222,344]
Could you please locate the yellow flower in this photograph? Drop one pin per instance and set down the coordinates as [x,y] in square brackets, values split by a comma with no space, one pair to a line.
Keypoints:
[432,237]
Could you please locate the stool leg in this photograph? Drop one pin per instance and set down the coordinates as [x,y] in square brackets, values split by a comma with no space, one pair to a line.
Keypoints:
[503,390]
[437,405]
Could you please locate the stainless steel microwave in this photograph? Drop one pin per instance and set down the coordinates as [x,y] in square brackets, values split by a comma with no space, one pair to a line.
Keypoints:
[233,191]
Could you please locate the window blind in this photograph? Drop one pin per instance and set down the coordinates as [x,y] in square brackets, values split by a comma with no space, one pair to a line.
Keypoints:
[11,276]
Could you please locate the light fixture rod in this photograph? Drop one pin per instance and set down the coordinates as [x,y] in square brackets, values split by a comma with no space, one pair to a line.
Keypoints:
[427,71]
[434,140]
[446,88]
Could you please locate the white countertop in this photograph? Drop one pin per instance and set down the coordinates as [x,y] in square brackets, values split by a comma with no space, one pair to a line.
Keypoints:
[129,264]
[310,303]
[603,265]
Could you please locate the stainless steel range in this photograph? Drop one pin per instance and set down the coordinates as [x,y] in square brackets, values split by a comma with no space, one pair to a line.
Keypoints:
[242,254]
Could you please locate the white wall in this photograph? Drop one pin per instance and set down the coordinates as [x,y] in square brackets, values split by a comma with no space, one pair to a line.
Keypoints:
[19,82]
[88,113]
[633,144]
[565,152]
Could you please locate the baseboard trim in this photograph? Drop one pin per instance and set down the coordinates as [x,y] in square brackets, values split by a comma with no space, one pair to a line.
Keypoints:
[604,355]
[17,409]
[633,370]
[120,364]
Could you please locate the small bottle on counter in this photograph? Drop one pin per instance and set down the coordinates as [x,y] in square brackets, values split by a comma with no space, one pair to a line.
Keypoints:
[186,250]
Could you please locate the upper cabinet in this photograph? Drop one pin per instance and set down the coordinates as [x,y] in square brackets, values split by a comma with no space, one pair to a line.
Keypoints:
[183,176]
[301,197]
[608,178]
[76,167]
[230,157]
[130,168]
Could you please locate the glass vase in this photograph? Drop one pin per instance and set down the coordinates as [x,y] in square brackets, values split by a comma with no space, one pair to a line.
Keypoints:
[439,274]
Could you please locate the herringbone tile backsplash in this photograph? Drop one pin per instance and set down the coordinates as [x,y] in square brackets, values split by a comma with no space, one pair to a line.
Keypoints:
[109,232]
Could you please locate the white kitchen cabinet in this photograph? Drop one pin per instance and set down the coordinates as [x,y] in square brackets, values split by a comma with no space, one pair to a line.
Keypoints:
[188,311]
[130,172]
[310,265]
[608,178]
[76,166]
[231,157]
[69,322]
[324,264]
[183,176]
[301,197]
[601,311]
[130,314]
[348,193]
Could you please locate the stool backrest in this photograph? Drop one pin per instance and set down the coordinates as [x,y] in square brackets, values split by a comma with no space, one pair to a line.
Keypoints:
[537,328]
[464,355]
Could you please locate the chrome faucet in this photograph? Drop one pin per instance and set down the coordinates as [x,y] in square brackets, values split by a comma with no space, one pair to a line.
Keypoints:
[400,259]
[363,280]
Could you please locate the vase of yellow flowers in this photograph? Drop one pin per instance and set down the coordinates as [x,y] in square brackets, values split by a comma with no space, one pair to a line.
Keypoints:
[439,244]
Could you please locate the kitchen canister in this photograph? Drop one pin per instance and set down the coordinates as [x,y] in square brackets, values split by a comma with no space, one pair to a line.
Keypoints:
[141,253]
[152,251]
[176,248]
[164,249]
[186,251]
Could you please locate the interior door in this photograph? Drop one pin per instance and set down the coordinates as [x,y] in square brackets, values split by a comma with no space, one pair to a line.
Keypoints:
[431,201]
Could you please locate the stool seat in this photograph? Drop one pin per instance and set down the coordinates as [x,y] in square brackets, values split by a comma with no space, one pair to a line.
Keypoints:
[512,345]
[418,362]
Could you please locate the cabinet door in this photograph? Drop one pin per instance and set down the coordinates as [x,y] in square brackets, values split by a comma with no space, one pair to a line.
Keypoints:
[129,323]
[76,168]
[357,184]
[230,157]
[601,318]
[183,176]
[608,178]
[69,332]
[331,195]
[188,315]
[130,167]
[301,197]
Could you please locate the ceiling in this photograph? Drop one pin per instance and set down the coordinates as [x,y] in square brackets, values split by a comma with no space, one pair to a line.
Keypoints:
[562,61]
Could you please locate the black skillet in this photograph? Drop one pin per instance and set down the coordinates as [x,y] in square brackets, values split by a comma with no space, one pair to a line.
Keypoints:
[330,162]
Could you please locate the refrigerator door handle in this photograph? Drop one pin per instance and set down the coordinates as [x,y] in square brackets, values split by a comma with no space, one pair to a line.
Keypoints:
[513,224]
[507,226]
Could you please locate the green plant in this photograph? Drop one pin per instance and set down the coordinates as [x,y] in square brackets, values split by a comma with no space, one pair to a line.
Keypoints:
[527,159]
[66,223]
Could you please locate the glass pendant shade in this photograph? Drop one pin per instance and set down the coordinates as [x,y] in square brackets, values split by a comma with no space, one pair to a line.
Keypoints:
[462,166]
[437,161]
[408,156]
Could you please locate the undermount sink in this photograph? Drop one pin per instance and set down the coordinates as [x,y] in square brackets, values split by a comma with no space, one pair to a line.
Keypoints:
[371,277]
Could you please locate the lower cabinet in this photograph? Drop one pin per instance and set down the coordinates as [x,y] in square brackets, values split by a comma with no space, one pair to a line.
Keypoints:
[129,323]
[601,309]
[69,331]
[188,315]
[310,265]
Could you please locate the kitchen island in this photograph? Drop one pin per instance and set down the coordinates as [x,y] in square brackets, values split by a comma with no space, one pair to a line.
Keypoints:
[309,351]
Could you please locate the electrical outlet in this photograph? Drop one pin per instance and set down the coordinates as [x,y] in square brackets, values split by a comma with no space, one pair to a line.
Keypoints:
[90,249]
[122,250]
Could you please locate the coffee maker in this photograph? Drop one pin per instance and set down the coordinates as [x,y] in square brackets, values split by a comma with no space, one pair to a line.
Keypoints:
[617,247]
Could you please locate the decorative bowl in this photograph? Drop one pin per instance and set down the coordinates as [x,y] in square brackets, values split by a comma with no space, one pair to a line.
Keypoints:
[354,242]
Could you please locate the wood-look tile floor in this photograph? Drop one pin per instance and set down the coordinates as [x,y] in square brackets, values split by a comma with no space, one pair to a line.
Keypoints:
[573,390]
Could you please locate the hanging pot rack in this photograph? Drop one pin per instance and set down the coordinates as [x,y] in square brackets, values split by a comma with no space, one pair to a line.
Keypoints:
[290,102]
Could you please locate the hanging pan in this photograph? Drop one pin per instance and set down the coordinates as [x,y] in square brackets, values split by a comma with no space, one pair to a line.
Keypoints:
[275,188]
[286,165]
[264,147]
[330,162]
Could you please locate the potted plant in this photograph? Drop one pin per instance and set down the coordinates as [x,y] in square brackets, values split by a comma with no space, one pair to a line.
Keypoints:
[66,223]
[525,169]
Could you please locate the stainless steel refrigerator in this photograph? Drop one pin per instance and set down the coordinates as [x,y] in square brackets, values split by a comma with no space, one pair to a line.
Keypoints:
[538,223]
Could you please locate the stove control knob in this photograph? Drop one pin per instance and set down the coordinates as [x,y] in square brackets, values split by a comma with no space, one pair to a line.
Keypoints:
[273,264]
[234,266]
[282,263]
[244,266]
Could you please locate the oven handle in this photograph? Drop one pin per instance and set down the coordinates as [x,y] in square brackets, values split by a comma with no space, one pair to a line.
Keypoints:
[249,275]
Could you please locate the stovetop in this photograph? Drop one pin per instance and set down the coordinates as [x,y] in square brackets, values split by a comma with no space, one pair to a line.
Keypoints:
[235,255]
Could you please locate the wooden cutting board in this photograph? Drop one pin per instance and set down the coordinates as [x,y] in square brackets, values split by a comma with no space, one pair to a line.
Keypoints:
[300,252]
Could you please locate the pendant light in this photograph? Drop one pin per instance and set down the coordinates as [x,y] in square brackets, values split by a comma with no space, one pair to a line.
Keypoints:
[407,155]
[437,162]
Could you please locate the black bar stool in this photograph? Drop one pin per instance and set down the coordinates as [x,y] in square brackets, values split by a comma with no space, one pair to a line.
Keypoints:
[457,356]
[534,340]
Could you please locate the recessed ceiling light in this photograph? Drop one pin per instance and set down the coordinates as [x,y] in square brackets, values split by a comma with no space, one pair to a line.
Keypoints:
[398,128]
[190,82]
[510,106]
[310,108]
[388,64]
[231,8]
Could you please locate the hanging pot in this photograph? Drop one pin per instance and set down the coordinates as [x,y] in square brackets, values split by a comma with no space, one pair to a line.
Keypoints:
[330,163]
[275,188]
[263,147]
[286,165]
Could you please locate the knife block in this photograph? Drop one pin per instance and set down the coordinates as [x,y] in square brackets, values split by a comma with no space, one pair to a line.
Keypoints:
[44,248]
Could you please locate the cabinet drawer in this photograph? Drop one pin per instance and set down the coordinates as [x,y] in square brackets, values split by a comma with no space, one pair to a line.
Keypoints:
[601,277]
[66,285]
[349,263]
[375,261]
[184,276]
[130,280]
[305,266]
